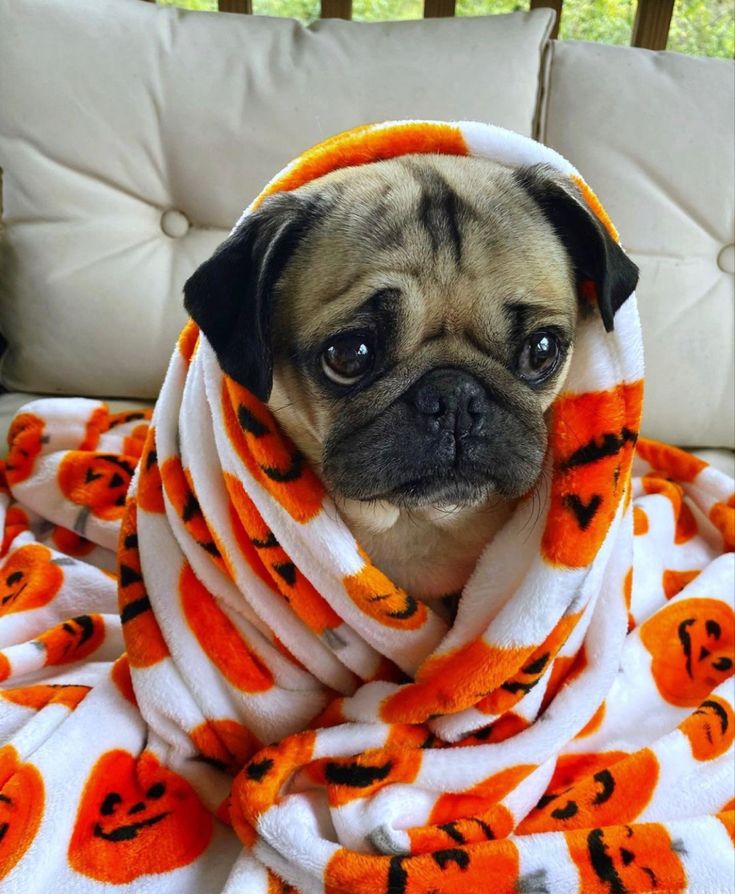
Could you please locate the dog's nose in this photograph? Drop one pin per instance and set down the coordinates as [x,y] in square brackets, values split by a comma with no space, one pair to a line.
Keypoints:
[449,399]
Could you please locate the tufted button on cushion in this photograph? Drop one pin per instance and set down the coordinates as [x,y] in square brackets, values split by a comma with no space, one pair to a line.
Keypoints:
[726,259]
[175,223]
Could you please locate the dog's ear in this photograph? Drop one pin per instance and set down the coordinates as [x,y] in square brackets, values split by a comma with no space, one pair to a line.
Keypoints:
[230,296]
[594,253]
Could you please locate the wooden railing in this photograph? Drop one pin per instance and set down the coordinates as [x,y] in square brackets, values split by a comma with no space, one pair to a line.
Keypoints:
[650,28]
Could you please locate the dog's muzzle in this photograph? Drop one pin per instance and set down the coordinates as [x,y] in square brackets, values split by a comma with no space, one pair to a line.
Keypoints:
[446,441]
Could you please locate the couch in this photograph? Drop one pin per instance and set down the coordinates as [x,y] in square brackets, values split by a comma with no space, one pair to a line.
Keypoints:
[132,136]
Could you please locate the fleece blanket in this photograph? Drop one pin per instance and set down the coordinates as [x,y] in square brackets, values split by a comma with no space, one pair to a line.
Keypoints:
[240,701]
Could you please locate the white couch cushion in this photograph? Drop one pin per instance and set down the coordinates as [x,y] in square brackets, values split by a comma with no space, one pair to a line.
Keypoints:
[653,134]
[139,133]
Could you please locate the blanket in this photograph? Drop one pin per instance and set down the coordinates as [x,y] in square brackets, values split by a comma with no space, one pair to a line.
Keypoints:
[208,687]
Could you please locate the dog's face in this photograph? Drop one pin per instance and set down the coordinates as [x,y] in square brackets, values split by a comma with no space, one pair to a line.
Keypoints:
[411,321]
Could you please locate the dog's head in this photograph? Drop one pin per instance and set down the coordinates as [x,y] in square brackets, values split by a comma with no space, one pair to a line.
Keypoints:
[412,320]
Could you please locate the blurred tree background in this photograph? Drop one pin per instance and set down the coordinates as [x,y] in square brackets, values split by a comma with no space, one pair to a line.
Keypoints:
[698,27]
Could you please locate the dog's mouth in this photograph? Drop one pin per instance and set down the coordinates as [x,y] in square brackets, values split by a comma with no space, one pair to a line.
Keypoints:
[441,489]
[462,482]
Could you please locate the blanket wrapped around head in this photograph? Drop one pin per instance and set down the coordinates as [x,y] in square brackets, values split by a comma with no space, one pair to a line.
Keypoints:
[264,711]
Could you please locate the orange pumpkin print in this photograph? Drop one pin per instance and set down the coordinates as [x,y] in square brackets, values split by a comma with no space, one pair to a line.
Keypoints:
[448,683]
[379,598]
[685,524]
[98,482]
[710,729]
[365,143]
[37,697]
[97,423]
[613,794]
[25,440]
[670,460]
[188,340]
[592,464]
[72,640]
[270,557]
[71,543]
[480,798]
[259,784]
[626,860]
[219,638]
[722,516]
[136,817]
[21,807]
[269,455]
[496,822]
[134,443]
[511,691]
[150,488]
[479,869]
[126,416]
[16,521]
[640,522]
[120,676]
[727,818]
[225,744]
[143,638]
[674,582]
[499,730]
[365,774]
[691,642]
[177,484]
[594,723]
[29,579]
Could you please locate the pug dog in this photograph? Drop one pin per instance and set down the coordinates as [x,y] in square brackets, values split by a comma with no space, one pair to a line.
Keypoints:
[409,323]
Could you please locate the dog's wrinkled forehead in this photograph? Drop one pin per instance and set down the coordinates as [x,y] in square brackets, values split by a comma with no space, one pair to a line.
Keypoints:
[448,244]
[452,241]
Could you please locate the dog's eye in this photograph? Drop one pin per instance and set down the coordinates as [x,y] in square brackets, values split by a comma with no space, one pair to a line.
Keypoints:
[347,358]
[539,357]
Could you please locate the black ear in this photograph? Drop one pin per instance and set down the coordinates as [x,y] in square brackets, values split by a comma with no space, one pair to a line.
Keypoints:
[594,253]
[230,296]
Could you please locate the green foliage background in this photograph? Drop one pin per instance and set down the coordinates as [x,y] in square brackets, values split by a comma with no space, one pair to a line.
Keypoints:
[698,27]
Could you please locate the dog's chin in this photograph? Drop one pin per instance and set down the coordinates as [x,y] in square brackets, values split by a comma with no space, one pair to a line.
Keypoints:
[438,491]
[448,489]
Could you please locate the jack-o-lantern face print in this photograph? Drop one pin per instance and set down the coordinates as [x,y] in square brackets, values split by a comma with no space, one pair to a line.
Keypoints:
[21,807]
[381,600]
[29,579]
[16,522]
[25,440]
[72,640]
[616,793]
[491,866]
[692,643]
[626,860]
[136,817]
[96,481]
[710,729]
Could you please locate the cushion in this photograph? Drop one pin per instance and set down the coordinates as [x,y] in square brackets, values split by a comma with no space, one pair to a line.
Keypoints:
[140,133]
[653,134]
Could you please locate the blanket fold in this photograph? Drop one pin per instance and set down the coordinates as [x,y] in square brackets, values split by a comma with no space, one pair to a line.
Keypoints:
[207,686]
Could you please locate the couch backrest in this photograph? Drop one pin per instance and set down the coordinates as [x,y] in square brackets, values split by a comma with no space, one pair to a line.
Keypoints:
[653,132]
[140,133]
